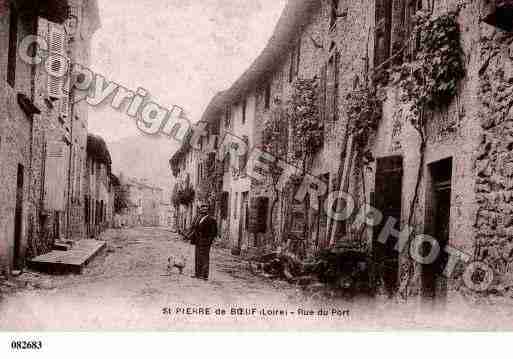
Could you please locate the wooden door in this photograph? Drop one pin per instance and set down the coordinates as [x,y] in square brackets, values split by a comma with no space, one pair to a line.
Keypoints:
[438,226]
[18,219]
[243,220]
[387,199]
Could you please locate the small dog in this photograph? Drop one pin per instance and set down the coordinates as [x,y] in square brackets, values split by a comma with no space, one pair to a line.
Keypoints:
[178,262]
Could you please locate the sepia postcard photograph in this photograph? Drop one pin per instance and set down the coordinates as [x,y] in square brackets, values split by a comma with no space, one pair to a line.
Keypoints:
[255,166]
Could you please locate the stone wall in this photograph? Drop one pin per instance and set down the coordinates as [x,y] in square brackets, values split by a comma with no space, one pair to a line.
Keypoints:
[494,158]
[15,149]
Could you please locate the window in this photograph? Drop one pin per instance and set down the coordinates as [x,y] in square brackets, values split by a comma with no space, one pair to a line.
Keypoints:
[412,6]
[243,158]
[244,107]
[225,200]
[267,96]
[295,60]
[57,40]
[333,85]
[324,90]
[383,31]
[13,46]
[228,117]
[226,163]
[333,13]
[235,205]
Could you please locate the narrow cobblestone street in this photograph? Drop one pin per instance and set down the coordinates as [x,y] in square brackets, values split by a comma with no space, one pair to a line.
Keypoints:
[128,286]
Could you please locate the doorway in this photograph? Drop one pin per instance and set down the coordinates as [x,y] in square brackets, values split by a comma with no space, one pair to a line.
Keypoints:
[438,216]
[18,219]
[387,199]
[243,220]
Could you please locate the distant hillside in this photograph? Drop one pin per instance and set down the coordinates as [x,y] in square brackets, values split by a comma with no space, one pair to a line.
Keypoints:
[144,157]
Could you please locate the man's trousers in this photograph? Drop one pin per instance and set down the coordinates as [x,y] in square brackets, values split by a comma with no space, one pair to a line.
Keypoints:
[202,259]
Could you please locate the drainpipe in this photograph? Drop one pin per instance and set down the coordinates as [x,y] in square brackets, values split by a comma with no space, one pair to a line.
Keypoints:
[68,229]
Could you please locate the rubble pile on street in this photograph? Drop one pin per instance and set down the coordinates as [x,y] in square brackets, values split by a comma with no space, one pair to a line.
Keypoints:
[345,272]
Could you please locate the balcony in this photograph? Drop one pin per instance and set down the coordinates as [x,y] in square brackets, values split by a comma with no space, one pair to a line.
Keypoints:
[52,10]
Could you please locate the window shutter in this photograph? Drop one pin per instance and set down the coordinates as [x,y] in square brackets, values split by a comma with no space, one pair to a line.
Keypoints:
[74,16]
[41,77]
[57,46]
[383,13]
[42,32]
[55,176]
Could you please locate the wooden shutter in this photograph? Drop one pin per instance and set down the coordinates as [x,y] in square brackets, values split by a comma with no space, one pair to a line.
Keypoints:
[383,15]
[55,176]
[74,17]
[41,75]
[57,46]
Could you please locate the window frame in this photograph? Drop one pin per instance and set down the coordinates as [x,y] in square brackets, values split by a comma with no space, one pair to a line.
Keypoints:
[267,95]
[228,117]
[332,85]
[295,61]
[13,46]
[333,13]
[244,109]
[383,13]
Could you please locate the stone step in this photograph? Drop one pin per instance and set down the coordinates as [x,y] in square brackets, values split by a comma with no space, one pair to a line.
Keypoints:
[62,246]
[70,261]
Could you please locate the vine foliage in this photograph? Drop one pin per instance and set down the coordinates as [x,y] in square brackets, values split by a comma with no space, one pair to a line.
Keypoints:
[429,83]
[304,115]
[364,111]
[182,195]
[430,80]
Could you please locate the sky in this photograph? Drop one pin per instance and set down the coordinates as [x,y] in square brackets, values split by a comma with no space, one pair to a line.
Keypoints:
[182,51]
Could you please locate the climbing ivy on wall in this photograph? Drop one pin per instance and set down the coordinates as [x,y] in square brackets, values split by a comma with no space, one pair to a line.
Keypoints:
[182,196]
[274,133]
[304,115]
[364,111]
[430,80]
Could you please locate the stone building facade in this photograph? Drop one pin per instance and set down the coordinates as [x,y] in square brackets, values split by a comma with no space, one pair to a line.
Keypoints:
[43,145]
[144,203]
[452,182]
[98,187]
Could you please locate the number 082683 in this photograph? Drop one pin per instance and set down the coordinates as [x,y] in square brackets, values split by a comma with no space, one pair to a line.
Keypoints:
[26,345]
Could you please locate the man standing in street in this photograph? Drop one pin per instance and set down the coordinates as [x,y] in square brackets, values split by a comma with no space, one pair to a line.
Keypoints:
[204,231]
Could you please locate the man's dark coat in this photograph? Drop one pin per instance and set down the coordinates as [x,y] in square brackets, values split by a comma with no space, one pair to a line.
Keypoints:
[204,232]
